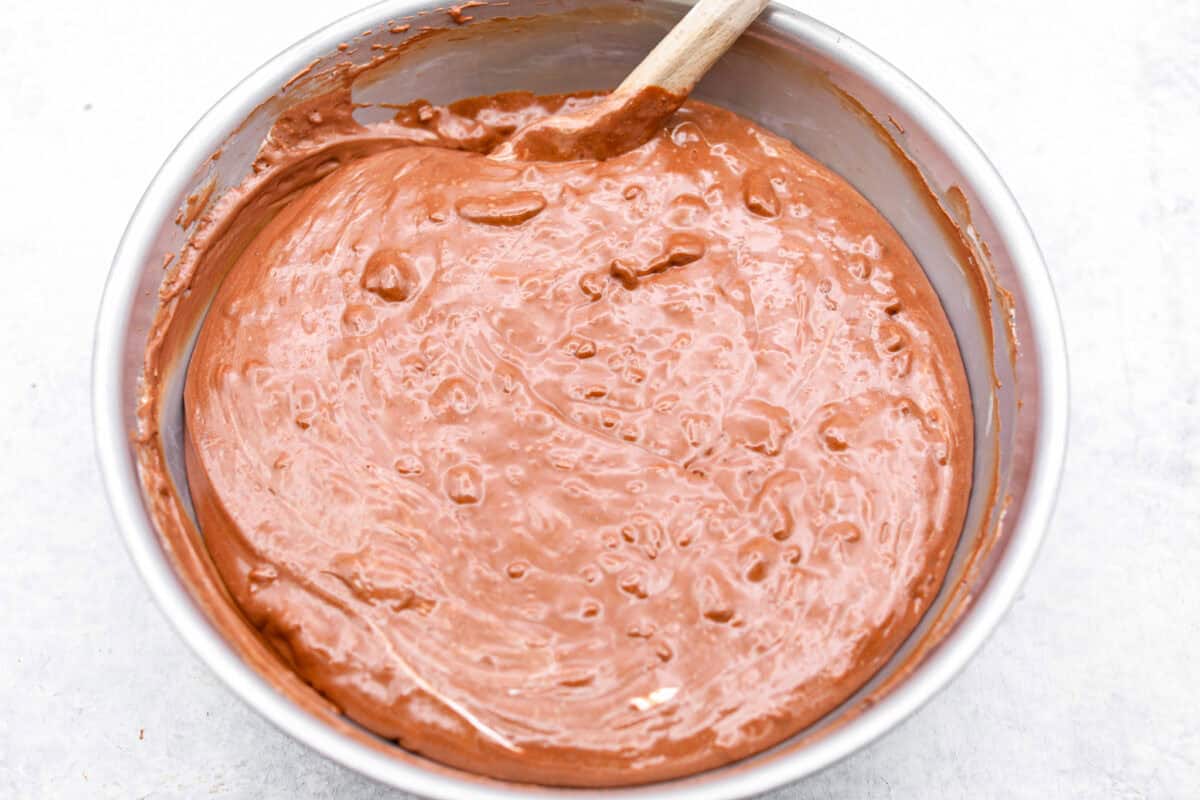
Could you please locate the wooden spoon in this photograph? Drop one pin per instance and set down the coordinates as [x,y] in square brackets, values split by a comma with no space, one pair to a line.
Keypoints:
[654,90]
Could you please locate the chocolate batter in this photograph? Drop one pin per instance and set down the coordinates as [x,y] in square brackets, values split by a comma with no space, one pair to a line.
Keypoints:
[582,473]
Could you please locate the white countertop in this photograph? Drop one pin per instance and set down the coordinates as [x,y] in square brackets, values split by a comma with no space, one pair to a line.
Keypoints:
[1091,112]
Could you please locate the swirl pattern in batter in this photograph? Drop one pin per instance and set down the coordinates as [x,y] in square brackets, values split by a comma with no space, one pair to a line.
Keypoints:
[581,473]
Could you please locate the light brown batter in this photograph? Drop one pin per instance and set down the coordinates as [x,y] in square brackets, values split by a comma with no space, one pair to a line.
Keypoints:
[583,473]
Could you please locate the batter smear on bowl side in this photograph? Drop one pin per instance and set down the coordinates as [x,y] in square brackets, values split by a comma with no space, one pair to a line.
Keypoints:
[579,473]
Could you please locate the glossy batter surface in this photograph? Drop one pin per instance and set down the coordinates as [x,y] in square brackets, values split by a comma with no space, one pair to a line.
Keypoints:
[583,473]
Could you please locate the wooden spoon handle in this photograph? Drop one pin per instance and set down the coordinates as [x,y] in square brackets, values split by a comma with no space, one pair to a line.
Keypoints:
[649,95]
[693,45]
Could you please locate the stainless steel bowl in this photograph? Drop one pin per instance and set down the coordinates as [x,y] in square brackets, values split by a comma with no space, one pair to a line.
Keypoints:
[836,100]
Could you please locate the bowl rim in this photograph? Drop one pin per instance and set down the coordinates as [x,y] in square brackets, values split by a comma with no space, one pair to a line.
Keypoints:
[122,486]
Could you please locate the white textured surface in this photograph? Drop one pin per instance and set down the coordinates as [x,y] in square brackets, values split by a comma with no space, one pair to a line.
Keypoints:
[1091,111]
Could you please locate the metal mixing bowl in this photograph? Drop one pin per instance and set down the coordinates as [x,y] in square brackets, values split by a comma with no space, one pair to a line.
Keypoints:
[833,98]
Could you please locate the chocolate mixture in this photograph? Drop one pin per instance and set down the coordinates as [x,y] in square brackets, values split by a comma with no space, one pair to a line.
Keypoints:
[581,473]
